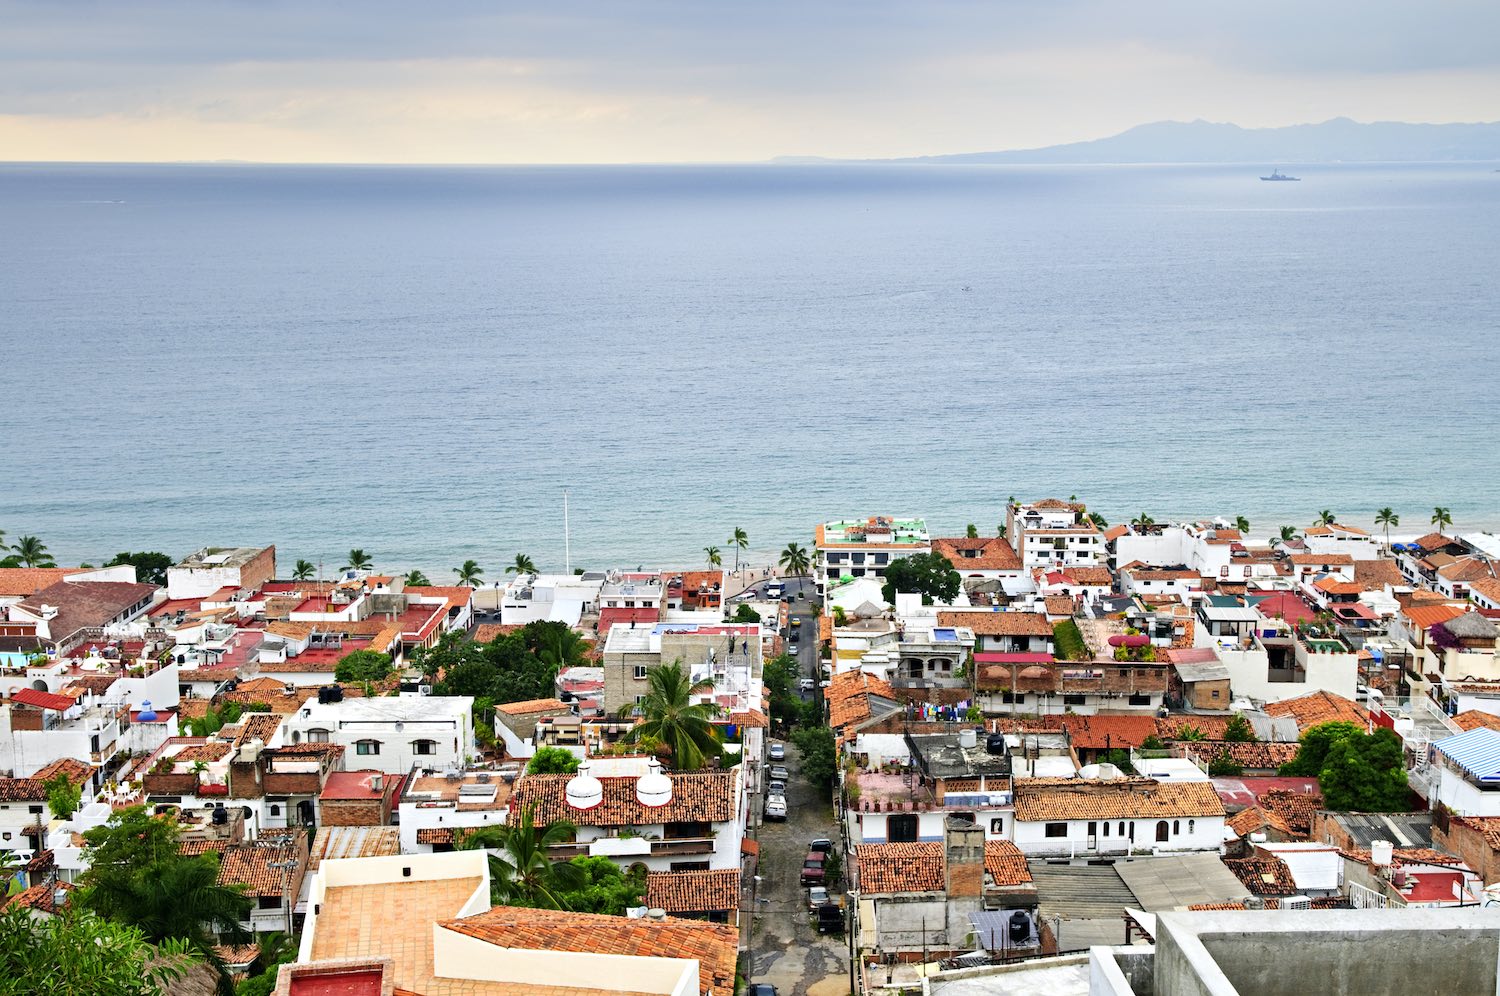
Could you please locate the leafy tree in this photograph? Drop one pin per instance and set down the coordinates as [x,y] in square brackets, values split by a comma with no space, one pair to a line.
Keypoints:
[510,668]
[523,565]
[359,666]
[552,761]
[1287,533]
[1142,521]
[740,540]
[794,560]
[819,756]
[712,553]
[32,552]
[1441,517]
[1387,517]
[971,531]
[1099,521]
[1153,742]
[524,874]
[469,574]
[78,953]
[745,614]
[1238,730]
[603,888]
[929,574]
[359,560]
[1224,766]
[416,579]
[150,568]
[1242,524]
[686,729]
[1325,518]
[558,645]
[780,676]
[1189,733]
[1120,758]
[303,571]
[276,949]
[1366,773]
[63,797]
[1000,530]
[1316,742]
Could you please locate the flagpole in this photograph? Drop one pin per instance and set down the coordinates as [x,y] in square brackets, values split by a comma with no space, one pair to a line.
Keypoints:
[567,541]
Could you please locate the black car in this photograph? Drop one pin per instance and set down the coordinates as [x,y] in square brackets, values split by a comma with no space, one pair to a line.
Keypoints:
[761,989]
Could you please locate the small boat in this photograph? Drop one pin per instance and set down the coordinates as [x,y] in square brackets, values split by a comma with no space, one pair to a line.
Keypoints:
[1279,176]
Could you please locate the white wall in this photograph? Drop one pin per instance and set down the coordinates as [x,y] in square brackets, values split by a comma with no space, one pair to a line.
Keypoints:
[1200,833]
[459,956]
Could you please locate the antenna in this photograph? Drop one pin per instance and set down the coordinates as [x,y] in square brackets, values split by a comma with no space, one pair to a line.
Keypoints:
[567,542]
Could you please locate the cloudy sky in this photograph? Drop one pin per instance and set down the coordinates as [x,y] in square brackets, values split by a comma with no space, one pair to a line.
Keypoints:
[672,80]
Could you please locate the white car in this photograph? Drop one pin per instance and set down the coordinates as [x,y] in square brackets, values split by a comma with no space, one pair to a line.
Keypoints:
[776,807]
[806,684]
[778,752]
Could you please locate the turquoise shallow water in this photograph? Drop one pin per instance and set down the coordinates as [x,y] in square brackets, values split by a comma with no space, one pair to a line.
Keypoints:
[418,360]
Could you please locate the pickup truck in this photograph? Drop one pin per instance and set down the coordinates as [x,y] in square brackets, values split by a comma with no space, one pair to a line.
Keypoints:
[812,868]
[776,808]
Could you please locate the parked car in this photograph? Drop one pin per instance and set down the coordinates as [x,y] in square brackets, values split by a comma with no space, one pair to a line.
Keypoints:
[761,989]
[776,807]
[775,787]
[830,919]
[778,752]
[812,869]
[780,774]
[806,684]
[822,845]
[817,896]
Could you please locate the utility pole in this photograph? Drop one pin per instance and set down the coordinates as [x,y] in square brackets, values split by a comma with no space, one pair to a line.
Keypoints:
[567,540]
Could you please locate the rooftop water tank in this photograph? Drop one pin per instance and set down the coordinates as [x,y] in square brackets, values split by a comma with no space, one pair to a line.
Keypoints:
[968,738]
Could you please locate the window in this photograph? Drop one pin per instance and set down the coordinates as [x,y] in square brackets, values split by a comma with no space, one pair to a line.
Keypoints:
[997,827]
[901,829]
[1074,699]
[1214,694]
[1161,830]
[1122,828]
[1176,827]
[881,559]
[640,672]
[367,747]
[317,736]
[857,558]
[1057,830]
[269,903]
[1012,697]
[690,866]
[1140,700]
[424,746]
[34,810]
[1191,825]
[275,810]
[1106,828]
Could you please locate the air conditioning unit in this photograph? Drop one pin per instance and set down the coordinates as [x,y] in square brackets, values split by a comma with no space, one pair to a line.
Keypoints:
[1296,903]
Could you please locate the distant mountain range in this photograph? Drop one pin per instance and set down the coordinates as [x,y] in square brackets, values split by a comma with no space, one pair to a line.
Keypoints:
[1338,140]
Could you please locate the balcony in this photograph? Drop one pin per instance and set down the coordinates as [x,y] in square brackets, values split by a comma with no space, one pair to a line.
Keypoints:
[633,847]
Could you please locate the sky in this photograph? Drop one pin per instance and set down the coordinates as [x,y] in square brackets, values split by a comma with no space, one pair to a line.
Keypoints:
[707,80]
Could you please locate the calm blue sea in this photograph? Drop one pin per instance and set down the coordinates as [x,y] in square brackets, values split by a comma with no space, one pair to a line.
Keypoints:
[417,361]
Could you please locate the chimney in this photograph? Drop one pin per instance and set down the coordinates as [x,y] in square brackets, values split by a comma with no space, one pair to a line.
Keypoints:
[376,783]
[963,858]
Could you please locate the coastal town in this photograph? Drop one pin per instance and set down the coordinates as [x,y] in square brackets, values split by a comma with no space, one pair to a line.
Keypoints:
[1049,754]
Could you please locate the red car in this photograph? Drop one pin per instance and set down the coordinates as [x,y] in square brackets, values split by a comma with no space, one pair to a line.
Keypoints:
[812,868]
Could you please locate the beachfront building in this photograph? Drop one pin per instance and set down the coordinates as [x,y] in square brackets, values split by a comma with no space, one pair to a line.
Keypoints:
[564,598]
[865,547]
[1337,538]
[1053,533]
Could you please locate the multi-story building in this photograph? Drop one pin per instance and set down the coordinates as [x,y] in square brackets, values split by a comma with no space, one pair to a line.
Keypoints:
[214,570]
[728,654]
[865,547]
[1053,533]
[435,804]
[64,615]
[390,734]
[560,597]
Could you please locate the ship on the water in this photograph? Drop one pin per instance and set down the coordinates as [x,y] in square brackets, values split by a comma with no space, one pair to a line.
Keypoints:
[1278,175]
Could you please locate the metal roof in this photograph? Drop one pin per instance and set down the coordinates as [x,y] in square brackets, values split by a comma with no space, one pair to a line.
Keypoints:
[1477,752]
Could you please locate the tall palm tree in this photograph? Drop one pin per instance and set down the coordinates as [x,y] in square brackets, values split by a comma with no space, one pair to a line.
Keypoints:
[416,579]
[561,646]
[303,571]
[670,717]
[794,560]
[1440,517]
[524,874]
[359,561]
[469,574]
[523,565]
[712,553]
[1242,524]
[1287,533]
[1325,518]
[740,541]
[1142,521]
[1388,518]
[1099,521]
[33,552]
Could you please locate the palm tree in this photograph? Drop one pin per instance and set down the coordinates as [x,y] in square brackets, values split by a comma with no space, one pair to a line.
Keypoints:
[669,717]
[358,561]
[1440,517]
[1325,518]
[416,579]
[524,874]
[971,532]
[1287,533]
[303,571]
[741,541]
[712,553]
[1388,518]
[1099,521]
[523,565]
[561,646]
[794,560]
[1242,524]
[32,552]
[469,574]
[1142,520]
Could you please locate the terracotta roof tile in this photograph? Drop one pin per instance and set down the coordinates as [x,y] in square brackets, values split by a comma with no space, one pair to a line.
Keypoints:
[84,604]
[1433,541]
[1487,827]
[39,897]
[78,773]
[43,700]
[1131,798]
[22,790]
[1295,808]
[435,835]
[1469,719]
[1255,819]
[714,946]
[487,632]
[1260,755]
[1318,707]
[1376,574]
[979,554]
[987,623]
[1263,876]
[907,867]
[694,891]
[1005,864]
[532,705]
[24,582]
[697,796]
[250,865]
[1059,605]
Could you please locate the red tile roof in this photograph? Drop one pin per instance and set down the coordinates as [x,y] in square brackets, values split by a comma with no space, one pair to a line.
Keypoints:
[697,796]
[985,622]
[250,865]
[1255,819]
[905,867]
[27,581]
[1471,719]
[42,700]
[694,891]
[22,790]
[532,705]
[1263,876]
[1040,800]
[986,553]
[1318,707]
[1005,864]
[76,771]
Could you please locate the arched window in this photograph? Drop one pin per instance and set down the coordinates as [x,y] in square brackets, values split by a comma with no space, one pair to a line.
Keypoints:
[1122,828]
[1162,830]
[275,810]
[1191,824]
[424,746]
[367,747]
[317,736]
[1176,827]
[296,736]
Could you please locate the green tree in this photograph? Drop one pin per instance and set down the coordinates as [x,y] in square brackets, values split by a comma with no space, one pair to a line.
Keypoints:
[469,574]
[63,797]
[1000,530]
[1242,524]
[1224,766]
[1365,773]
[523,565]
[416,579]
[670,716]
[604,888]
[137,876]
[1314,745]
[552,761]
[1120,758]
[1142,521]
[1441,517]
[1099,521]
[1189,733]
[971,531]
[359,666]
[929,574]
[1387,517]
[1287,533]
[794,560]
[150,568]
[712,553]
[740,540]
[359,560]
[745,614]
[1153,742]
[32,552]
[559,645]
[1325,518]
[1238,730]
[1069,641]
[303,571]
[513,667]
[524,874]
[780,676]
[819,755]
[78,953]
[276,949]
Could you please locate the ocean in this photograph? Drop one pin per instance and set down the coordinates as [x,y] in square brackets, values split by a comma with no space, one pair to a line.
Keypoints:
[418,361]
